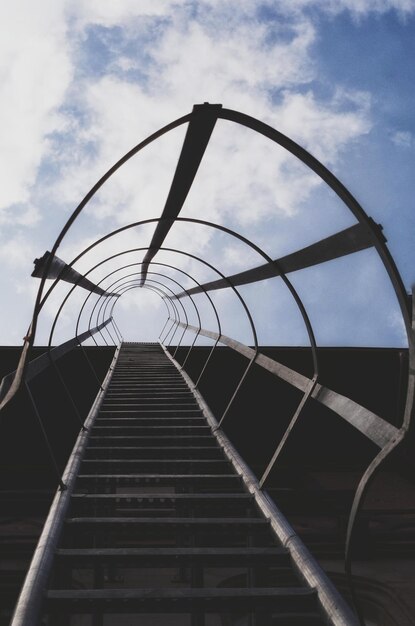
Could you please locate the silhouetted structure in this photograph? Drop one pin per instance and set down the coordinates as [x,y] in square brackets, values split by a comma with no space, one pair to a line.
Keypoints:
[168,505]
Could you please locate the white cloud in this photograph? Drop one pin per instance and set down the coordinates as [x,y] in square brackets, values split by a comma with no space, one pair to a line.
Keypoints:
[109,13]
[323,129]
[403,138]
[243,177]
[24,215]
[213,50]
[35,71]
[230,62]
[17,252]
[194,62]
[359,8]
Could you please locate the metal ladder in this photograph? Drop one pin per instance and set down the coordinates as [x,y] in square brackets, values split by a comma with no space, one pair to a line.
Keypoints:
[160,528]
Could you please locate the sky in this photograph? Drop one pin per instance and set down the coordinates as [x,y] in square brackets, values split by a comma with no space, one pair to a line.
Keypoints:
[83,81]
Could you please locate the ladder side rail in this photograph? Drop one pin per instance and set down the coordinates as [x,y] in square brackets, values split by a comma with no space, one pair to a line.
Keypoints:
[333,605]
[31,596]
[368,423]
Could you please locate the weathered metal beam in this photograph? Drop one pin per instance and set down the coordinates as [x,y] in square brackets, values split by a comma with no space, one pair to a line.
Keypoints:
[368,423]
[43,361]
[201,125]
[348,241]
[59,269]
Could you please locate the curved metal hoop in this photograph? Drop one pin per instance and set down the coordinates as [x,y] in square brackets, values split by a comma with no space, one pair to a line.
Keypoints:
[282,140]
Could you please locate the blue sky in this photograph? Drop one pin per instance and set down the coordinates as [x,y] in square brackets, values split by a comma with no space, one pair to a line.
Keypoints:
[83,81]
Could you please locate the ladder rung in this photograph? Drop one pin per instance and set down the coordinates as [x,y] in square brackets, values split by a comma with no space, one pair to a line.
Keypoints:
[170,429]
[141,557]
[170,421]
[145,478]
[163,441]
[183,522]
[147,451]
[162,600]
[168,497]
[150,413]
[161,461]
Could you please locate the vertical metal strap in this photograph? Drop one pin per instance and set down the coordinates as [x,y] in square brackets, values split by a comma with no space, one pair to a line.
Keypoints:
[68,393]
[378,461]
[62,485]
[235,393]
[207,360]
[304,400]
[91,367]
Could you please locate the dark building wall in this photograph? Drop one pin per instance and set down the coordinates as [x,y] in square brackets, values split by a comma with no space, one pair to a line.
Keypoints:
[256,421]
[265,404]
[28,479]
[24,459]
[313,482]
[316,477]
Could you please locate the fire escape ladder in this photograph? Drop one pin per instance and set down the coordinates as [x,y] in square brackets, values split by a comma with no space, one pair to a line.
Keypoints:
[161,523]
[158,520]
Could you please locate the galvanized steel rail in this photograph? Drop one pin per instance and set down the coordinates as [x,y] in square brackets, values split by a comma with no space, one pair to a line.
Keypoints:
[333,605]
[33,590]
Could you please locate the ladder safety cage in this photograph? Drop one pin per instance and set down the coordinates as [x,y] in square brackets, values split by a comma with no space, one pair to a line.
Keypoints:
[149,425]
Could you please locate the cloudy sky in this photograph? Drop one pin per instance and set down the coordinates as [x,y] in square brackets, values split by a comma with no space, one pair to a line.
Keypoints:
[83,81]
